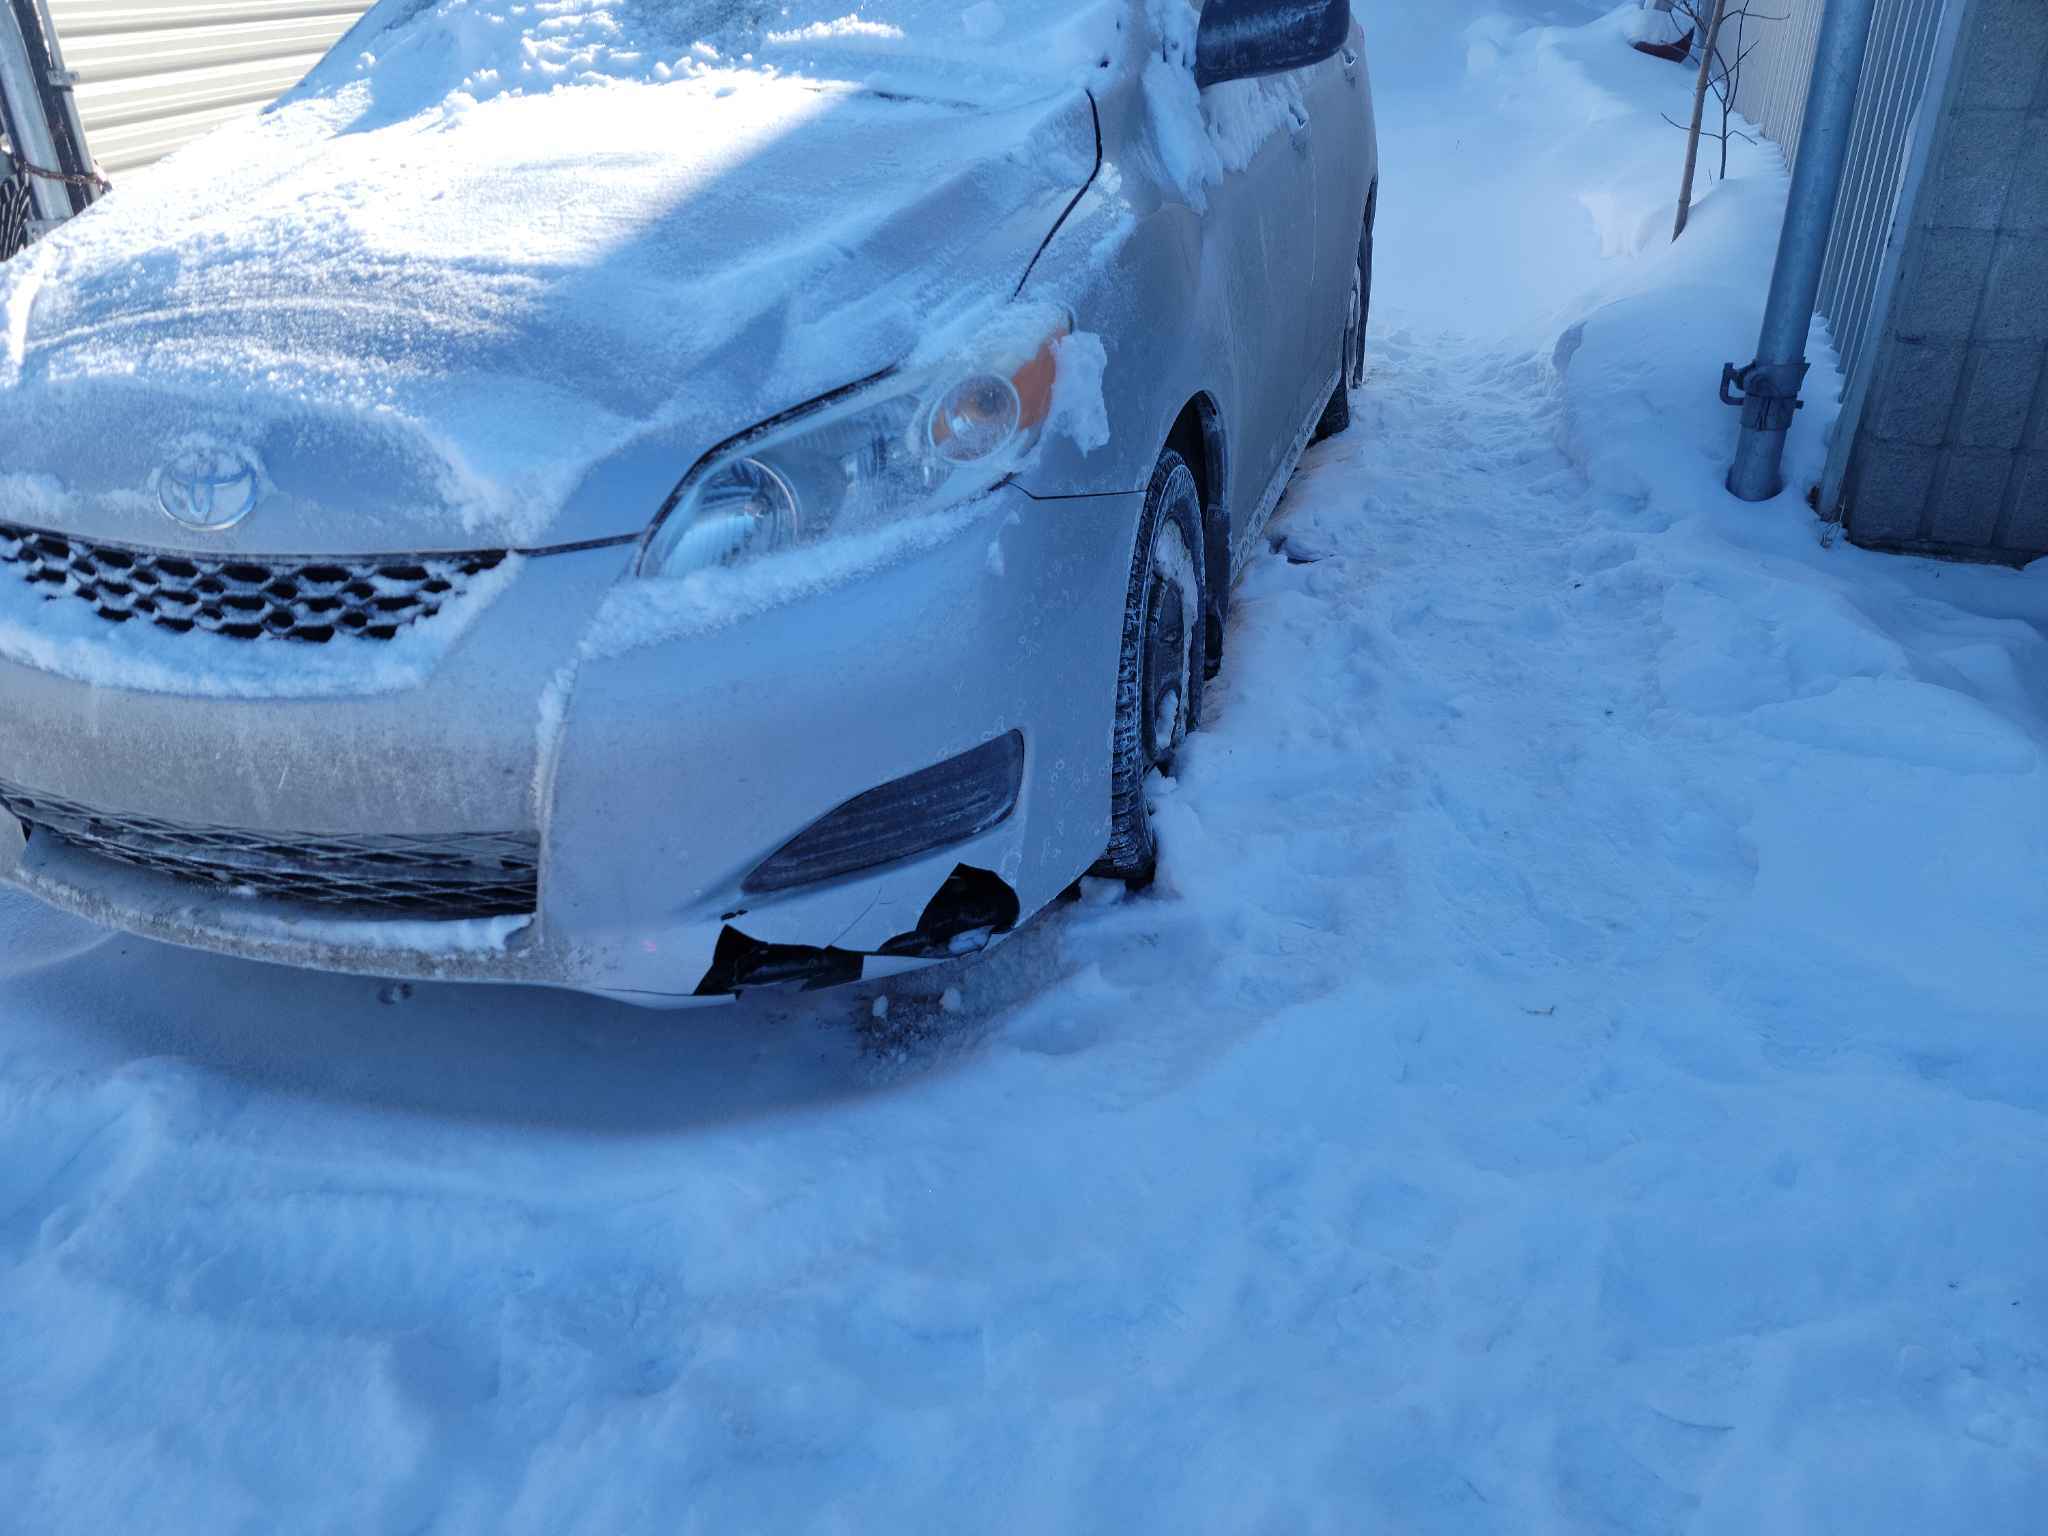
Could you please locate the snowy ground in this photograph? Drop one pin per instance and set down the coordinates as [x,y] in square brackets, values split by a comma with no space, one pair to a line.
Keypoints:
[1582,1069]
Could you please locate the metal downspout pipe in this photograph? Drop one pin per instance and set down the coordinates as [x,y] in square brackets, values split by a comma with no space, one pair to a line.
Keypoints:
[1769,387]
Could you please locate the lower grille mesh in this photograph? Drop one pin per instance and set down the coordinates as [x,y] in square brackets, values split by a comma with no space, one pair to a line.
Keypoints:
[466,875]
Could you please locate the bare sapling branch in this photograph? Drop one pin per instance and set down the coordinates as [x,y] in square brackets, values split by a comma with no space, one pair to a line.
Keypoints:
[1722,75]
[1699,114]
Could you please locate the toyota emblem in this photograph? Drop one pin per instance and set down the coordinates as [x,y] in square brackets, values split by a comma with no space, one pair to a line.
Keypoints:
[210,489]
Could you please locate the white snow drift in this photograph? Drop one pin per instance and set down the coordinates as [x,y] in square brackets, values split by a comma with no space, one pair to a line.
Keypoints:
[1581,1069]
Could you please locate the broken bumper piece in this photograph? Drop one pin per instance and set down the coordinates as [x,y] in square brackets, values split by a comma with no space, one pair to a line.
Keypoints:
[859,780]
[972,909]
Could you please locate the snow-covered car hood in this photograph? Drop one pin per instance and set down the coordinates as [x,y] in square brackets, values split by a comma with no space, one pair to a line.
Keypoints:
[449,305]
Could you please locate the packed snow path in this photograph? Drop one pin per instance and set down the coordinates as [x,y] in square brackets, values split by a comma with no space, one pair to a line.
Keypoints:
[1582,1069]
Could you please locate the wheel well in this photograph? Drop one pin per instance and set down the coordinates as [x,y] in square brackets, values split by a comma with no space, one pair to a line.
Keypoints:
[1197,436]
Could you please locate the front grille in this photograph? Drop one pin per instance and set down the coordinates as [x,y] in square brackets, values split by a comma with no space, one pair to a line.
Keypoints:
[311,600]
[479,874]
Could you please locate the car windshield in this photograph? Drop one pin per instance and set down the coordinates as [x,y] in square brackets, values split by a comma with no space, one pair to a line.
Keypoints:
[987,52]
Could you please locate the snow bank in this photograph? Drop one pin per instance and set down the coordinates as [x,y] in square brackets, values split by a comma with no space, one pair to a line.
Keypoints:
[1550,133]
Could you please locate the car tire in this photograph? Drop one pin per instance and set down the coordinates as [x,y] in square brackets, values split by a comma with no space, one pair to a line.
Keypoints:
[1337,414]
[1163,664]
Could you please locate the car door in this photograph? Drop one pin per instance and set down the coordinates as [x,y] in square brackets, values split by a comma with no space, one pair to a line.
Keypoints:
[1335,94]
[1260,245]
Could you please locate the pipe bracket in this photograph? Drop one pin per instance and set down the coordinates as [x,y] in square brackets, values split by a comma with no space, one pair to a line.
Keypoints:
[1768,393]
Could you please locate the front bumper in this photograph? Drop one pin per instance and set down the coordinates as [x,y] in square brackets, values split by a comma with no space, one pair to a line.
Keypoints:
[655,773]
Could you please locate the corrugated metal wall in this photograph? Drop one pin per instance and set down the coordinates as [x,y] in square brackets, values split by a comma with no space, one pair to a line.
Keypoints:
[1902,39]
[1775,77]
[154,74]
[1773,95]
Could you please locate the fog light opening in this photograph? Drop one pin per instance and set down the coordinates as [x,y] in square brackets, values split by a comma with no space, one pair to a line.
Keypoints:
[947,803]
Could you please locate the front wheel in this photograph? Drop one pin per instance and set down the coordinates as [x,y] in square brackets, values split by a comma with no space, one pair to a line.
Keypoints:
[1361,312]
[1351,375]
[1165,658]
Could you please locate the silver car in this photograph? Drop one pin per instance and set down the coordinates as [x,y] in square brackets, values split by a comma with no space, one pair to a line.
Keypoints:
[662,502]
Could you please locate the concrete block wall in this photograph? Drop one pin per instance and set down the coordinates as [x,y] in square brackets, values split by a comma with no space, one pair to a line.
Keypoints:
[1952,451]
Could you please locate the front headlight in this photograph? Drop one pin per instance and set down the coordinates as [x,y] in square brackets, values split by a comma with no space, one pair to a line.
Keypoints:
[912,442]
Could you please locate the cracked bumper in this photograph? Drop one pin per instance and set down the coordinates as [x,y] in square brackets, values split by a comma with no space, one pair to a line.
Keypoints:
[654,777]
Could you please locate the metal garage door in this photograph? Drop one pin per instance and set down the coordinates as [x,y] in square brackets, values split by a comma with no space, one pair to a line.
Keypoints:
[154,74]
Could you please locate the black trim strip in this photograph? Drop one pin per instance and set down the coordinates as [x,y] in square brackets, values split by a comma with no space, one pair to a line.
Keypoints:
[1080,495]
[1095,113]
[304,557]
[610,542]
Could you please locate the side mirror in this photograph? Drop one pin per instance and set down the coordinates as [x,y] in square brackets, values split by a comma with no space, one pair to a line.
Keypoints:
[1242,38]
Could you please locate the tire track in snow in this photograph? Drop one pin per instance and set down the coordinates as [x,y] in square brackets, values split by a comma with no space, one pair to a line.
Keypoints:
[1439,714]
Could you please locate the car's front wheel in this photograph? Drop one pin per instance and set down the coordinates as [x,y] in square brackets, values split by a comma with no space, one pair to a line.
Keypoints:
[1165,658]
[1337,414]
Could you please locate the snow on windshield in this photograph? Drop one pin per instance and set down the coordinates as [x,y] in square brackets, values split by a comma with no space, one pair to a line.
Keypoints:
[987,52]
